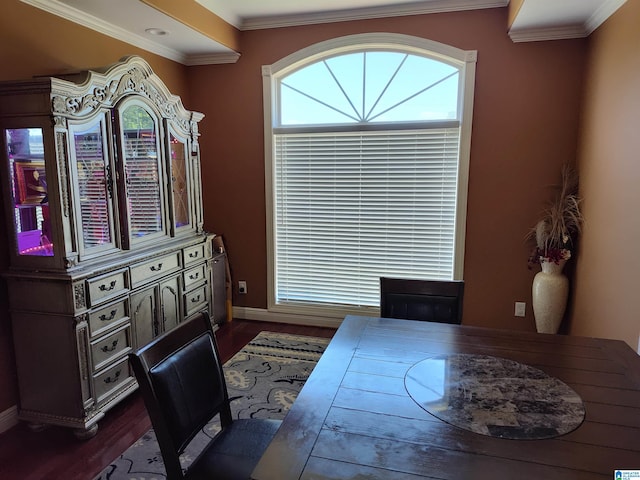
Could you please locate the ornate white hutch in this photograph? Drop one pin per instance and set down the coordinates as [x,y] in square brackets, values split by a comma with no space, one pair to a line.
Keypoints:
[102,195]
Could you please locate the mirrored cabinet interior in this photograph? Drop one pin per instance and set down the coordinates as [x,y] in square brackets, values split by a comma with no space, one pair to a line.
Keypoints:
[100,176]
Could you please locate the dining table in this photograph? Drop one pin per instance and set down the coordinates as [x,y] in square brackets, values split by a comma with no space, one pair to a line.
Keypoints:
[403,399]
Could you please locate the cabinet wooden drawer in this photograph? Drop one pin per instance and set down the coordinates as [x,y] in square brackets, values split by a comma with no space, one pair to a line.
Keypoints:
[108,286]
[112,379]
[156,268]
[106,317]
[195,300]
[107,348]
[193,254]
[194,276]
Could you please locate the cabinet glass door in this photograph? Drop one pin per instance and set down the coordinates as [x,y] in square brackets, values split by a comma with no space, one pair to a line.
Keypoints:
[25,151]
[142,171]
[180,187]
[94,191]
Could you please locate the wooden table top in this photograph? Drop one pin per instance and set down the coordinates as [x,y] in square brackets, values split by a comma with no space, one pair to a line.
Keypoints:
[354,419]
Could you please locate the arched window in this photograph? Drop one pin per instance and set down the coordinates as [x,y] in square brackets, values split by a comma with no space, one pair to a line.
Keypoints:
[367,149]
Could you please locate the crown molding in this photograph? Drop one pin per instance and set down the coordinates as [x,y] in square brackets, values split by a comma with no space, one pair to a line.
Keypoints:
[89,21]
[544,34]
[211,59]
[86,20]
[435,6]
[77,16]
[608,8]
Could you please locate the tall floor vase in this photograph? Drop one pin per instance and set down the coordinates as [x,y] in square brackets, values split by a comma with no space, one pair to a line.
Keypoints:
[549,296]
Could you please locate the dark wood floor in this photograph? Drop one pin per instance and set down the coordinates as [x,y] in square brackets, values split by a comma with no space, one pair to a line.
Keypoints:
[56,454]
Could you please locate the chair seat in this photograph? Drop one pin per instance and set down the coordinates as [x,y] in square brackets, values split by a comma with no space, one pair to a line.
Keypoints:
[235,452]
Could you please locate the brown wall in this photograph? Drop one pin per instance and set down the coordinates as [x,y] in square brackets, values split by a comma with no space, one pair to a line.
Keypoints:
[606,288]
[33,42]
[514,8]
[527,102]
[526,120]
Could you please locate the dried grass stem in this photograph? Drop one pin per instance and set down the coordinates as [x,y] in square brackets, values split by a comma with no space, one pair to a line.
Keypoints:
[562,220]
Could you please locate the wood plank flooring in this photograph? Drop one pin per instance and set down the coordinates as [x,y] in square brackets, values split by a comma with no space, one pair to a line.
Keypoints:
[56,454]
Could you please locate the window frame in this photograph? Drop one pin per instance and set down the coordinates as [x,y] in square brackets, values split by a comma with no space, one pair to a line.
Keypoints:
[464,60]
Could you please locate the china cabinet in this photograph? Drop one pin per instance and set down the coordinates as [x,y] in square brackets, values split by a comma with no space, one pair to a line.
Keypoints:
[102,193]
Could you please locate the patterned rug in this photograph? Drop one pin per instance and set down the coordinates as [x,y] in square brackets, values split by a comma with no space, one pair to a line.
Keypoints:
[263,380]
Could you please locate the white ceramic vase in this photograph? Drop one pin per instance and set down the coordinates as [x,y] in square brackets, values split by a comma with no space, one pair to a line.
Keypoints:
[549,296]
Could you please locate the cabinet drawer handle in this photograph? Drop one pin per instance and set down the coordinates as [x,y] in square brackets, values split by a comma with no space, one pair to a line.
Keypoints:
[104,318]
[195,299]
[157,268]
[194,276]
[104,288]
[193,254]
[113,379]
[111,348]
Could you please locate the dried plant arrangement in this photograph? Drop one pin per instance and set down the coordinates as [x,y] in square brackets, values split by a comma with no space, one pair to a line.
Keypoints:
[561,222]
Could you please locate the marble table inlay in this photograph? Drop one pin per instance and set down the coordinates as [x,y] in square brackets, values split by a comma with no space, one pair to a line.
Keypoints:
[494,396]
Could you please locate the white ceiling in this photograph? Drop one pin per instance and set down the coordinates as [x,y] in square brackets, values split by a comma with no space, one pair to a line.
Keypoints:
[128,20]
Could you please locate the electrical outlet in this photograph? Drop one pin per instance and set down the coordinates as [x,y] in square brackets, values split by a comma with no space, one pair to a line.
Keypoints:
[520,310]
[242,286]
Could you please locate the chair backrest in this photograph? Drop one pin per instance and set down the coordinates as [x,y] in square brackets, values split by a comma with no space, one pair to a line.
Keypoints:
[428,300]
[182,382]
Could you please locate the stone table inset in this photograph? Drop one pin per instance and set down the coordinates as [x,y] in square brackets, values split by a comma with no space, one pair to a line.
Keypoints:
[494,396]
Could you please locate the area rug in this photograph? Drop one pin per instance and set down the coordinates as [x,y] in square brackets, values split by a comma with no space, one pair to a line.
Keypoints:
[263,380]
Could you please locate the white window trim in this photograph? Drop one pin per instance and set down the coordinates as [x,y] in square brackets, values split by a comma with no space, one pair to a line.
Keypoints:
[464,59]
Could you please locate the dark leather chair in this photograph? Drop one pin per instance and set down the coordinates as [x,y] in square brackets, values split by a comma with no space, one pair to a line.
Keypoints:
[428,300]
[183,386]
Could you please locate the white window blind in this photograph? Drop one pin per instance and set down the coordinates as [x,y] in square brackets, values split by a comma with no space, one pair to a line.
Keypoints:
[92,187]
[143,184]
[351,207]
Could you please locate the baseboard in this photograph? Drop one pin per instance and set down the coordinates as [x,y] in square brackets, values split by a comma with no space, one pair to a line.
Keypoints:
[263,315]
[8,418]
